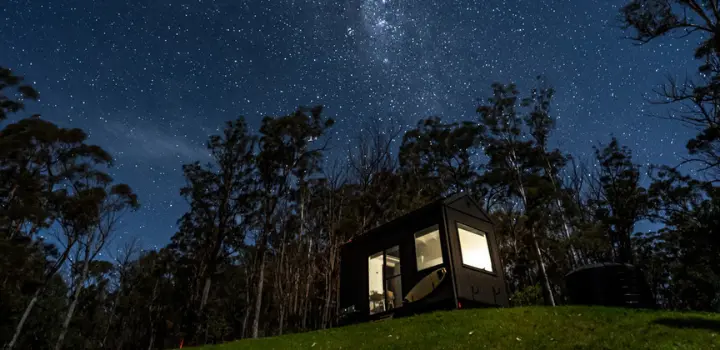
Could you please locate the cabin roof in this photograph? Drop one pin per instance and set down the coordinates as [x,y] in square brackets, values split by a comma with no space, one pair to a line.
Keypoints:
[430,206]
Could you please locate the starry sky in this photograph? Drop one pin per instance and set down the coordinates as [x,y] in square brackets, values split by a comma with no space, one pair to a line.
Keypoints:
[150,80]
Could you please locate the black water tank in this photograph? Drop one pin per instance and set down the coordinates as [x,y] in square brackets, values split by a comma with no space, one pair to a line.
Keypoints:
[609,284]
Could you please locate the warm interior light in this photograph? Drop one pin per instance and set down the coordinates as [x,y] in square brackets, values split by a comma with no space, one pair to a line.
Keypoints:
[474,248]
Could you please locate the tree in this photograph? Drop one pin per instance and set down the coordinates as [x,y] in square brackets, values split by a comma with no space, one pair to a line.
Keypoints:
[123,269]
[15,101]
[699,98]
[39,162]
[150,308]
[521,168]
[329,205]
[219,195]
[23,263]
[285,154]
[540,124]
[372,176]
[92,214]
[441,155]
[681,258]
[258,249]
[621,201]
[91,314]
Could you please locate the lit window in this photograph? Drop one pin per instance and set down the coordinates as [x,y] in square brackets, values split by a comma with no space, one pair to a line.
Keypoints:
[385,286]
[375,266]
[474,248]
[393,284]
[428,251]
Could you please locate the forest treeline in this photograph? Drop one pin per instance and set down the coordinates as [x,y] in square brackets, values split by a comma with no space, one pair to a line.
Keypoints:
[257,252]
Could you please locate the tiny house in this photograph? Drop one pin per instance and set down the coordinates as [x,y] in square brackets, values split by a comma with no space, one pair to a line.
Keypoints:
[441,256]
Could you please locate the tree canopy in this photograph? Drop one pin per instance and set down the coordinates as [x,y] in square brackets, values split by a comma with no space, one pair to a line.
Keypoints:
[257,252]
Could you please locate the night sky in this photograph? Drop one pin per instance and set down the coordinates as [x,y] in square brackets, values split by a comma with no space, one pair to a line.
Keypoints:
[150,80]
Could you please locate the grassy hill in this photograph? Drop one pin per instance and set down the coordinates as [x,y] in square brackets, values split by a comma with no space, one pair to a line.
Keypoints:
[570,327]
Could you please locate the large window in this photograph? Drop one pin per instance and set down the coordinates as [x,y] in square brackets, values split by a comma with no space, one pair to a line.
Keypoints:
[428,251]
[385,286]
[375,270]
[393,285]
[474,248]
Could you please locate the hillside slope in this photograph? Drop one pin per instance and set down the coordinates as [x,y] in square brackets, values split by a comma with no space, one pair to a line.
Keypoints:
[569,327]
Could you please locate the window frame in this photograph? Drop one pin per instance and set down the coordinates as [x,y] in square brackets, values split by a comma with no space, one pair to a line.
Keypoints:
[385,278]
[471,229]
[382,281]
[427,231]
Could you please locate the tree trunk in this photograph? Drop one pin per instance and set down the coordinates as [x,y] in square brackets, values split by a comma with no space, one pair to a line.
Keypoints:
[152,339]
[328,288]
[575,258]
[334,319]
[282,318]
[109,323]
[297,271]
[19,327]
[258,296]
[48,276]
[626,253]
[152,315]
[206,292]
[549,298]
[73,305]
[248,308]
[307,288]
[245,320]
[326,304]
[303,322]
[200,316]
[296,291]
[281,274]
[112,312]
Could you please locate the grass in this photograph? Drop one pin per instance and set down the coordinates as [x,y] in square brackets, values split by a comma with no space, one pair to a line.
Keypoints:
[567,327]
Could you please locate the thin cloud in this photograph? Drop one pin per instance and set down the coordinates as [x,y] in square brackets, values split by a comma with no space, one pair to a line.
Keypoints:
[147,141]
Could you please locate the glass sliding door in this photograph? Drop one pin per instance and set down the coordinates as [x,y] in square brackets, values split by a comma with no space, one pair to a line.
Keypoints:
[393,284]
[384,283]
[375,275]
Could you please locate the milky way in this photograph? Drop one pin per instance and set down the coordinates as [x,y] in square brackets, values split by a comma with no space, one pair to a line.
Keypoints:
[150,80]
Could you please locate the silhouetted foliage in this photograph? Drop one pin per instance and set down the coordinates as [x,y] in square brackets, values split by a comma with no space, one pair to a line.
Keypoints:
[13,100]
[696,97]
[620,201]
[257,252]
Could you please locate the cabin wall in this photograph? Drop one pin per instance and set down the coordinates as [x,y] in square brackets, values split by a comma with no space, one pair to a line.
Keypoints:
[467,285]
[354,258]
[475,286]
[350,277]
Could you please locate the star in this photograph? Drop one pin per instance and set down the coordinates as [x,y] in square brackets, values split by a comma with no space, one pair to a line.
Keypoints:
[150,81]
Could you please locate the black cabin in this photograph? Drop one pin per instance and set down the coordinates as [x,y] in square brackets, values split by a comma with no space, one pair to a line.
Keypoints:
[441,256]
